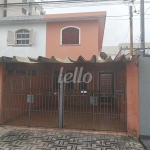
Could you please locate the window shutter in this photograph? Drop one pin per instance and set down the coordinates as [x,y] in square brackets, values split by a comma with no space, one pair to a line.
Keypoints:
[75,36]
[70,35]
[31,37]
[10,38]
[66,36]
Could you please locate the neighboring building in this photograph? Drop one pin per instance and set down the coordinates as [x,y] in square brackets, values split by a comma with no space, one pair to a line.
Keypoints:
[135,45]
[25,36]
[111,50]
[24,9]
[144,94]
[123,49]
[142,74]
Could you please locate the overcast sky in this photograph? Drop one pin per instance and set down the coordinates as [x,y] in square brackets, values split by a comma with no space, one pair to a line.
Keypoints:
[116,28]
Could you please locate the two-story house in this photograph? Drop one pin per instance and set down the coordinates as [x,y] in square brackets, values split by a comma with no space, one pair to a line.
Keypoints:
[71,34]
[50,75]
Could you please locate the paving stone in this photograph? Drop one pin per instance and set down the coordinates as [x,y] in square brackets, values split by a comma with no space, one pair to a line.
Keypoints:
[24,139]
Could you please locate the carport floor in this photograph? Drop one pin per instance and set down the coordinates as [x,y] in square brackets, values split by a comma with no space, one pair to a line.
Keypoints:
[100,122]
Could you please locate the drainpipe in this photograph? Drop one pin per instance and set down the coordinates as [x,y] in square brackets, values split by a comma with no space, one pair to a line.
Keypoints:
[30,8]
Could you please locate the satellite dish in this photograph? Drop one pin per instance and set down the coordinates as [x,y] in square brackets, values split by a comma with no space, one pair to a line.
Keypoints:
[103,55]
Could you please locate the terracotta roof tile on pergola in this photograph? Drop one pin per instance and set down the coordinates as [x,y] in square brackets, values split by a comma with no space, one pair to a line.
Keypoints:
[53,59]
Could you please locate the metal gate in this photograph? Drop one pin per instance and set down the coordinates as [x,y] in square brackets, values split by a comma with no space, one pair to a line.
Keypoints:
[35,98]
[29,99]
[96,105]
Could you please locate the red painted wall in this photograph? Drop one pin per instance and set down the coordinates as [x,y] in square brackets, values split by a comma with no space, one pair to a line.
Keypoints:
[1,88]
[132,98]
[91,38]
[89,44]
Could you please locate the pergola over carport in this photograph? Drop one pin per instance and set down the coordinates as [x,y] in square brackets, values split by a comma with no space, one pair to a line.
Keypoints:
[30,94]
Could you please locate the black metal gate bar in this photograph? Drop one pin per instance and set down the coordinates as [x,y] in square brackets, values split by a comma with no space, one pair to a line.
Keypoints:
[30,101]
[93,92]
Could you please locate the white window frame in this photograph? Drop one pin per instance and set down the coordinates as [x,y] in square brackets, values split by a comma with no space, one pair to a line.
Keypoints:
[70,27]
[12,38]
[22,38]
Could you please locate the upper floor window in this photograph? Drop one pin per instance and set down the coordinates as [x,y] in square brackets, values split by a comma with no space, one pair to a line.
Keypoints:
[70,35]
[22,37]
[24,11]
[5,13]
[24,1]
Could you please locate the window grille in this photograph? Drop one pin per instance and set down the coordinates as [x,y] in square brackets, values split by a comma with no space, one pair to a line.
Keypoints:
[106,83]
[23,72]
[17,83]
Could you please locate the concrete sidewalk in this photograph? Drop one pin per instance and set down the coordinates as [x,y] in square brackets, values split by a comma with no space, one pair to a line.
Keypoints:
[42,139]
[146,142]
